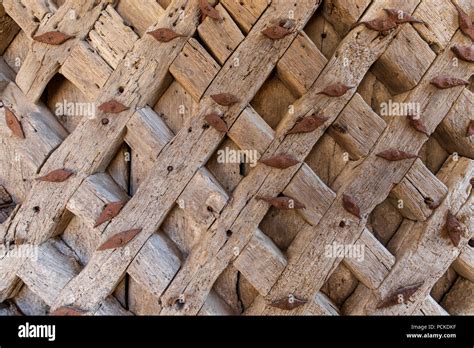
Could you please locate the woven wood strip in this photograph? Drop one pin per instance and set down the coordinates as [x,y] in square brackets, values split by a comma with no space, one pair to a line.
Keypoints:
[203,241]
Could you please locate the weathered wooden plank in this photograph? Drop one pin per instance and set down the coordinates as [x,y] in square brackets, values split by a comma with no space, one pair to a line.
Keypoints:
[203,198]
[111,38]
[158,260]
[16,52]
[301,64]
[431,307]
[343,14]
[221,37]
[226,287]
[194,69]
[261,262]
[270,142]
[147,133]
[272,101]
[6,74]
[9,281]
[428,252]
[417,191]
[400,237]
[443,284]
[156,264]
[68,103]
[441,20]
[245,12]
[140,15]
[241,215]
[452,131]
[140,300]
[397,72]
[29,303]
[327,151]
[308,188]
[323,34]
[43,132]
[321,305]
[8,29]
[48,272]
[86,70]
[150,74]
[96,156]
[458,301]
[251,132]
[110,306]
[375,264]
[214,305]
[175,117]
[23,16]
[93,195]
[433,155]
[341,283]
[50,267]
[82,238]
[357,128]
[464,264]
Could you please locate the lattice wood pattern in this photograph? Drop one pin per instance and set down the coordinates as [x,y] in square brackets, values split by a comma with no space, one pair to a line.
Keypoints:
[111,145]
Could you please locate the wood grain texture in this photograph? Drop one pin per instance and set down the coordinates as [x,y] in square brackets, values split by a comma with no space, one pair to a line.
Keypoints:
[383,200]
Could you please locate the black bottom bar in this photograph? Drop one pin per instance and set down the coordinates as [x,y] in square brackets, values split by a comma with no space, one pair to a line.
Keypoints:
[163,331]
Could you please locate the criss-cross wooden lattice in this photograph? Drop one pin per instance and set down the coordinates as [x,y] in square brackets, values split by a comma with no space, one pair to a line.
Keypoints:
[202,239]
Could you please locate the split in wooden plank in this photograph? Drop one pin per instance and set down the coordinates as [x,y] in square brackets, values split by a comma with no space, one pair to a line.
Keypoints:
[111,38]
